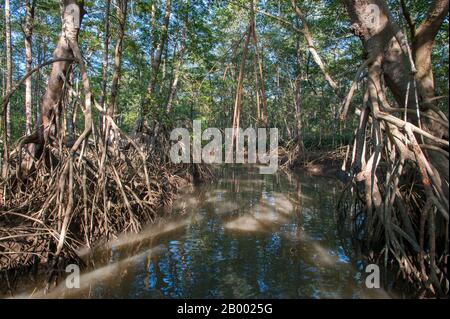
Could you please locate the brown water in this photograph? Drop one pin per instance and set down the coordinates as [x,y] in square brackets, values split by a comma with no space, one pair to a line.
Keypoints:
[244,235]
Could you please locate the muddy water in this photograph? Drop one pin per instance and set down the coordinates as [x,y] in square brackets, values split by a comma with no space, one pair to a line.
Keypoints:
[245,235]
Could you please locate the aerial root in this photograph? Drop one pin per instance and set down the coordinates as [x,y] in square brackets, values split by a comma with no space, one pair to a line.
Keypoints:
[79,199]
[394,205]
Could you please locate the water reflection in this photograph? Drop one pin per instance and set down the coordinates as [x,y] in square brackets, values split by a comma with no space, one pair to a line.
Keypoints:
[244,236]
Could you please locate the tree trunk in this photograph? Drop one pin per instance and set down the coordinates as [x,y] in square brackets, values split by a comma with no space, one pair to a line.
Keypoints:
[7,108]
[408,75]
[178,64]
[386,38]
[122,18]
[312,48]
[178,57]
[156,59]
[72,14]
[422,47]
[39,78]
[8,68]
[237,100]
[259,75]
[298,102]
[105,54]
[28,30]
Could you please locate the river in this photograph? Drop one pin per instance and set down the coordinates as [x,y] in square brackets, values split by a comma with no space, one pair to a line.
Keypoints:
[244,235]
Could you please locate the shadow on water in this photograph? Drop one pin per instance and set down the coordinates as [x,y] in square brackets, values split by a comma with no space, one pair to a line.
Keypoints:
[245,235]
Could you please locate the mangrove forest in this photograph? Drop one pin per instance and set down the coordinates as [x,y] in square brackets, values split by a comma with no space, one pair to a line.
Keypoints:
[218,149]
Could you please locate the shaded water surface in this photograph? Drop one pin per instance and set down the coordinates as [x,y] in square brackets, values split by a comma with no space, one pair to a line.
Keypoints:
[244,235]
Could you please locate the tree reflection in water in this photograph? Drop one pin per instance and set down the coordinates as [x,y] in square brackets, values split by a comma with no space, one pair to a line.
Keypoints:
[245,235]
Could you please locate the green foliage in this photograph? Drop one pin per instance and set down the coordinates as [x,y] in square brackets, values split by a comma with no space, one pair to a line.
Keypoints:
[212,58]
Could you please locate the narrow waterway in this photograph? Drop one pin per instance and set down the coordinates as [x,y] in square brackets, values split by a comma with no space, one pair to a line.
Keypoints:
[245,235]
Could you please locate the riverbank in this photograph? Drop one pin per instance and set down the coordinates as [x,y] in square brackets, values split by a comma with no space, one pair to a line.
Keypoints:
[79,201]
[316,162]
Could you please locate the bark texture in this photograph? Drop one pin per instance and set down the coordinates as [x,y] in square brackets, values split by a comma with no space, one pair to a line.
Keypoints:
[28,30]
[410,139]
[72,14]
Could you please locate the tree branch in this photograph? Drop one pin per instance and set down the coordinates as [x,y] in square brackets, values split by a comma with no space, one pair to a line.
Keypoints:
[30,73]
[409,20]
